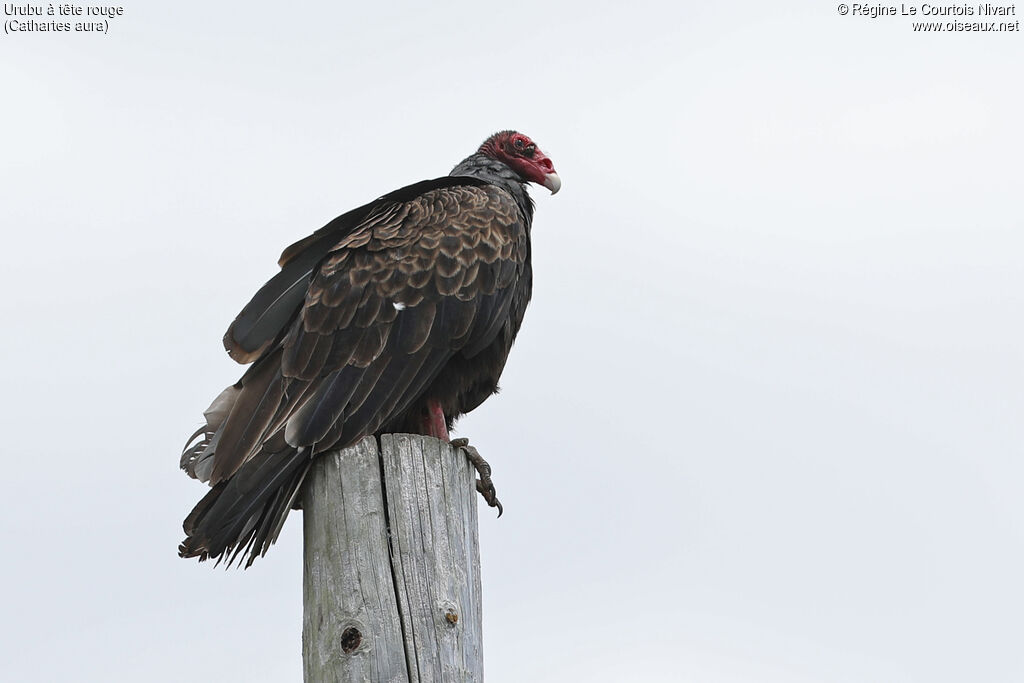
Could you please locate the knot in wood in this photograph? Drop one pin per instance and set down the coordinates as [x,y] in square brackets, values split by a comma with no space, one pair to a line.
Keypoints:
[350,639]
[452,616]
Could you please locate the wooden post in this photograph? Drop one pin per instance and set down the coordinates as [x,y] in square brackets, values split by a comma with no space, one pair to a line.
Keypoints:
[391,586]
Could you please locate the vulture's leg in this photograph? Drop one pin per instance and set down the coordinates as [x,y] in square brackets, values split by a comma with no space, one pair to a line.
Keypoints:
[484,484]
[434,423]
[436,426]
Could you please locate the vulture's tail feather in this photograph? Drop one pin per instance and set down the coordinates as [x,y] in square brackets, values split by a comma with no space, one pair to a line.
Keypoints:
[198,457]
[244,515]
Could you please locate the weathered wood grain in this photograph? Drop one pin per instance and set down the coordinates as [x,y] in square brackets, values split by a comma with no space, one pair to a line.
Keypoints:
[415,603]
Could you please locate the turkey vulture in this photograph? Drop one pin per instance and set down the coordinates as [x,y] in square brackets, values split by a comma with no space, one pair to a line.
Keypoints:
[397,316]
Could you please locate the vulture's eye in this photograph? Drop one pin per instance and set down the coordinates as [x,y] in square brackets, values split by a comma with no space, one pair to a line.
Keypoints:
[518,143]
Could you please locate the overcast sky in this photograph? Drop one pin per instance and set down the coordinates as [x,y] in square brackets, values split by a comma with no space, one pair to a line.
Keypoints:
[763,421]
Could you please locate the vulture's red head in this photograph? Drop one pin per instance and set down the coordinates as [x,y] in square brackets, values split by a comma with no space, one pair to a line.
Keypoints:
[522,155]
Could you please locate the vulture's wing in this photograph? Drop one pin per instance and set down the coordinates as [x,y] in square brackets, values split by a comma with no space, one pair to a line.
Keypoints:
[266,317]
[362,319]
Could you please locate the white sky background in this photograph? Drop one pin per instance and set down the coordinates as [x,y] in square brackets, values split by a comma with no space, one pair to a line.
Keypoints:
[763,422]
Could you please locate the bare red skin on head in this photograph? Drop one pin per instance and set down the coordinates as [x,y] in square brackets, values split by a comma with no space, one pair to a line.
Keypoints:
[520,153]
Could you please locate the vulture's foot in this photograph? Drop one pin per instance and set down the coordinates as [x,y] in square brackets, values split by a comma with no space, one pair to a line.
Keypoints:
[484,484]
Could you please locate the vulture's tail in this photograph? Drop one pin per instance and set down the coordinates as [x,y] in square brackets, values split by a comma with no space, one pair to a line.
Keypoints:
[256,475]
[244,514]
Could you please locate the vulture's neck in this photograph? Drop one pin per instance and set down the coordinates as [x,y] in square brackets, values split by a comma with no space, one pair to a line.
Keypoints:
[497,173]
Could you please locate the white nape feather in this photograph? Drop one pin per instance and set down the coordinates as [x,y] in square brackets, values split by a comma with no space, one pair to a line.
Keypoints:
[399,306]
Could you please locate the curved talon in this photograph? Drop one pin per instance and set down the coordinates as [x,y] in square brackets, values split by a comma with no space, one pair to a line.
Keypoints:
[484,484]
[486,490]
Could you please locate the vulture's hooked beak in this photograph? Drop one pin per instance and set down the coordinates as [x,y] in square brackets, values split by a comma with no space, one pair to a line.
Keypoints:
[553,182]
